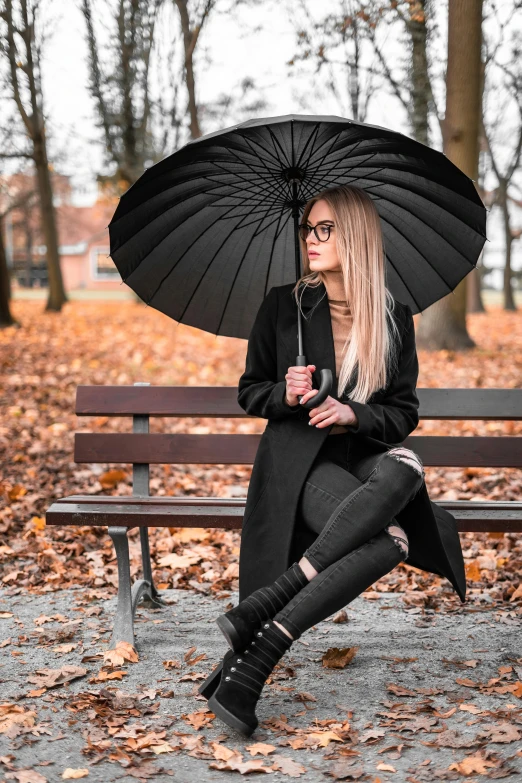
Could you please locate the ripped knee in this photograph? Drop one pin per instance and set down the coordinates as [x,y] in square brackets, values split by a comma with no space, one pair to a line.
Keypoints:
[409,457]
[399,537]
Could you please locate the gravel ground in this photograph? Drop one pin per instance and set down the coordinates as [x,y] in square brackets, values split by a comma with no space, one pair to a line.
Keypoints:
[452,712]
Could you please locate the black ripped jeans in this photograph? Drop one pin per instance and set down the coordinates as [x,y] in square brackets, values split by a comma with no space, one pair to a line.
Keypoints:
[351,506]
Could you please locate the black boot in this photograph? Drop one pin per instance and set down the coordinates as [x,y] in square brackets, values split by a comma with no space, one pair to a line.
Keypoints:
[238,625]
[208,687]
[243,676]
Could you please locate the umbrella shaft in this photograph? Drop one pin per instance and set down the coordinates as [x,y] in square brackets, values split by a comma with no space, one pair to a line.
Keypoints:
[295,216]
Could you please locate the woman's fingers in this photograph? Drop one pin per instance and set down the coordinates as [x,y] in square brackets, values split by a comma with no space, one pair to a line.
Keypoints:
[309,394]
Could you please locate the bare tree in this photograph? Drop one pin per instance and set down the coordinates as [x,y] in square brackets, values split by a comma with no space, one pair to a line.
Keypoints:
[443,325]
[494,127]
[21,44]
[6,317]
[192,20]
[334,44]
[120,87]
[9,205]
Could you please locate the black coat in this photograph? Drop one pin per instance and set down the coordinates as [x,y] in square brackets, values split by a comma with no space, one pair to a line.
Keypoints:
[272,537]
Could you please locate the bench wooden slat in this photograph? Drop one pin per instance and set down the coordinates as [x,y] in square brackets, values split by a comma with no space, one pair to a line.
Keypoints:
[159,448]
[150,515]
[471,515]
[221,401]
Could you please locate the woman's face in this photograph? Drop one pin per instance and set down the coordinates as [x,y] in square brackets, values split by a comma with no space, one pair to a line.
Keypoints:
[322,256]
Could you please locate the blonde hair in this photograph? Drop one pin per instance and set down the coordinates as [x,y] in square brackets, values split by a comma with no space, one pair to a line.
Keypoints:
[371,351]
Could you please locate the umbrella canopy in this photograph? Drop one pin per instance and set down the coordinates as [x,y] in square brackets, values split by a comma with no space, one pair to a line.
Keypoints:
[205,233]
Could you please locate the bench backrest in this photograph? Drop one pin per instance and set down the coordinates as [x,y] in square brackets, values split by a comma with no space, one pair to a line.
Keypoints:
[141,401]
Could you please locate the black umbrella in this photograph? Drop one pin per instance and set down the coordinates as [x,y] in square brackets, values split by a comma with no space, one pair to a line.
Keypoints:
[206,232]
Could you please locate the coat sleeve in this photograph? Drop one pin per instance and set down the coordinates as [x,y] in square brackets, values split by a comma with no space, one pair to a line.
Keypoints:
[259,391]
[394,419]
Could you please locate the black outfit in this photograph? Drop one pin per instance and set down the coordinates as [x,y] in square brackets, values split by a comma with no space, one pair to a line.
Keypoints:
[350,507]
[274,534]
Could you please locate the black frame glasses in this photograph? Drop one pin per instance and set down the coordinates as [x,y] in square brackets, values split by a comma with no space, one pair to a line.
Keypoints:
[306,228]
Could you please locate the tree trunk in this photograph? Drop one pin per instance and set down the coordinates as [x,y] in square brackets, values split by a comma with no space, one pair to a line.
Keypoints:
[190,37]
[420,82]
[509,300]
[443,325]
[6,319]
[57,295]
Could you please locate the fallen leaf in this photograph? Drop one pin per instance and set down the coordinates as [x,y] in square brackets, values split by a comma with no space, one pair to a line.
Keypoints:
[236,764]
[111,478]
[261,748]
[222,753]
[172,665]
[74,774]
[12,714]
[386,767]
[65,648]
[124,651]
[473,764]
[51,678]
[173,560]
[103,676]
[26,776]
[287,766]
[338,658]
[323,738]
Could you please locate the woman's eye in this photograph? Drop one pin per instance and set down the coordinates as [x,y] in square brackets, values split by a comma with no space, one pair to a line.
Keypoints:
[324,230]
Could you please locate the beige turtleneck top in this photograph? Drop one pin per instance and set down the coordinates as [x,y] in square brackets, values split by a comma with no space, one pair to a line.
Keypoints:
[341,317]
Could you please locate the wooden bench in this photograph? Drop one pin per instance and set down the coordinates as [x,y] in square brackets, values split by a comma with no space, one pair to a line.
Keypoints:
[142,448]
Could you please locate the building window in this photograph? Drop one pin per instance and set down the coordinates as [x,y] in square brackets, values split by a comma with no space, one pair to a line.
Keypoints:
[102,265]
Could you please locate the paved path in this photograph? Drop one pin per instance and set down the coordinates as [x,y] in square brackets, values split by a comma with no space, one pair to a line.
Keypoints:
[437,717]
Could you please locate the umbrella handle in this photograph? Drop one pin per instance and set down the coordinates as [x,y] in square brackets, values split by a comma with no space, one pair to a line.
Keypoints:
[324,389]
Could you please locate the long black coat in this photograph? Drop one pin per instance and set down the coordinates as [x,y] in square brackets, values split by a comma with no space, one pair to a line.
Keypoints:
[272,537]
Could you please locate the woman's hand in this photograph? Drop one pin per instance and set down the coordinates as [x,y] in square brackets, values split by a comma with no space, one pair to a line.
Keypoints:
[298,381]
[330,411]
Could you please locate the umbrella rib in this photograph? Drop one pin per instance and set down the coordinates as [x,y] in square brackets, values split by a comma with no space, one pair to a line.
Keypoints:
[233,282]
[272,182]
[332,143]
[283,161]
[267,150]
[309,142]
[439,206]
[268,182]
[211,225]
[404,281]
[335,165]
[204,273]
[269,267]
[417,251]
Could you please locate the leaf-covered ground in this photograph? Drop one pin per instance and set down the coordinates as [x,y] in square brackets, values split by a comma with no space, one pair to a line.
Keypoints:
[141,715]
[41,365]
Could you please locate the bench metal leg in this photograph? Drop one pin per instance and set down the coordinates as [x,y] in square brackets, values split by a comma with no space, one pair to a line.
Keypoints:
[151,597]
[129,594]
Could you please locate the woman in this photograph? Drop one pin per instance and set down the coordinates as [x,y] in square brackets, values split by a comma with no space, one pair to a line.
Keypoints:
[328,484]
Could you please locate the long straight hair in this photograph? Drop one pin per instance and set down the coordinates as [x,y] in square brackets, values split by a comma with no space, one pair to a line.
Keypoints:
[371,352]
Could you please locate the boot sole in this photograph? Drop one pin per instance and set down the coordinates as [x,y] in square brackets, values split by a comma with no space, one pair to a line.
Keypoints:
[231,720]
[229,632]
[211,684]
[208,687]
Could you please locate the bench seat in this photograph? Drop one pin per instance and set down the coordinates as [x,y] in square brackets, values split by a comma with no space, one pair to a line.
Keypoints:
[473,516]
